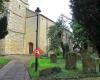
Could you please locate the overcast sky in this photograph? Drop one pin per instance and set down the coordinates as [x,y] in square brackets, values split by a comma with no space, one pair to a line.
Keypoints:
[51,8]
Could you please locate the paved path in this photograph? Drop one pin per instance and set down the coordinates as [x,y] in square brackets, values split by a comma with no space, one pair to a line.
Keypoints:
[14,70]
[21,58]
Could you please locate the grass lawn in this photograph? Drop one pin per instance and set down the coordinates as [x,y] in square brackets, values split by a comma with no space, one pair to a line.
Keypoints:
[70,73]
[3,61]
[45,63]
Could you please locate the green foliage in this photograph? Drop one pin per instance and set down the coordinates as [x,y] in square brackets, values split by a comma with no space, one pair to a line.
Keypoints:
[1,6]
[53,36]
[3,27]
[45,63]
[3,20]
[87,13]
[58,52]
[3,61]
[80,33]
[55,33]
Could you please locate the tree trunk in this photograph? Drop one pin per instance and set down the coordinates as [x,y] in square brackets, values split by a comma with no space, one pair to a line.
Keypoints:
[63,49]
[99,63]
[98,49]
[89,65]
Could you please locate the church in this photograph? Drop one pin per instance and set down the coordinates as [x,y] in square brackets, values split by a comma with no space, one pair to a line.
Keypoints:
[22,25]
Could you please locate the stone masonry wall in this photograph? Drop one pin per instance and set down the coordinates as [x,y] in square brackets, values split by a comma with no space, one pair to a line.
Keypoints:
[14,41]
[22,28]
[2,45]
[31,25]
[30,35]
[45,23]
[14,44]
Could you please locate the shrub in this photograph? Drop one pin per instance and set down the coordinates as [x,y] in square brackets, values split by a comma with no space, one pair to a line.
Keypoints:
[50,71]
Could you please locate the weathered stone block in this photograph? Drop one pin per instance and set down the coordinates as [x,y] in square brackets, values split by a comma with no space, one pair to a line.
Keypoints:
[70,60]
[53,58]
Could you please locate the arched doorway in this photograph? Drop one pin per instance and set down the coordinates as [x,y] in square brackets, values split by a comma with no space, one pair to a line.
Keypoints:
[30,47]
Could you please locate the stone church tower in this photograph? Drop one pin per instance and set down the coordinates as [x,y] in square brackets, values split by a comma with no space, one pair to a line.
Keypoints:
[14,41]
[22,24]
[21,38]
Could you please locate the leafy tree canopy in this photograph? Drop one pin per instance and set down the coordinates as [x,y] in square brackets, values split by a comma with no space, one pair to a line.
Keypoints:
[80,33]
[1,6]
[54,34]
[87,13]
